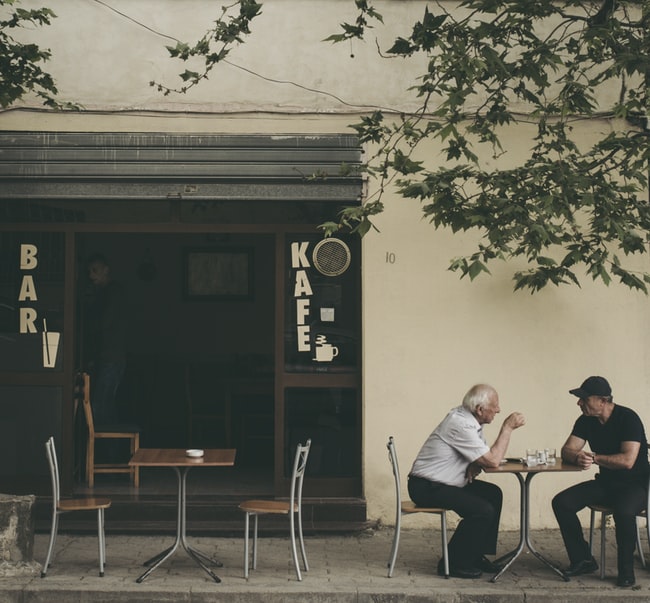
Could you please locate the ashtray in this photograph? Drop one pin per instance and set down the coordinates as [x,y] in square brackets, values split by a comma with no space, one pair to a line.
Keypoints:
[195,453]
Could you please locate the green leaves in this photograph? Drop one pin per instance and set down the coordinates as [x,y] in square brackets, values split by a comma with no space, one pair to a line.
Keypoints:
[367,14]
[567,207]
[228,30]
[21,65]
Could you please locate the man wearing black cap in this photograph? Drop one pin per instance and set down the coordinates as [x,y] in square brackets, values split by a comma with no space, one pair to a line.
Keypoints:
[618,444]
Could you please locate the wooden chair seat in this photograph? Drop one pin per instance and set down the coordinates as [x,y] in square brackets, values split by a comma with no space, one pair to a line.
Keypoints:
[277,507]
[84,504]
[408,506]
[114,431]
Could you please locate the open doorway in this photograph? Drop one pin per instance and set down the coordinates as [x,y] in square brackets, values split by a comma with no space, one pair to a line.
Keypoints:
[200,313]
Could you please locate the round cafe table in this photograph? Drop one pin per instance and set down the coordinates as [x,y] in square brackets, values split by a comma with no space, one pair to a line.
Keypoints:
[519,469]
[178,460]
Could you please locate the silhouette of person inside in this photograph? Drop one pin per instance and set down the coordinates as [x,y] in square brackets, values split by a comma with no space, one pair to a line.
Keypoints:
[107,334]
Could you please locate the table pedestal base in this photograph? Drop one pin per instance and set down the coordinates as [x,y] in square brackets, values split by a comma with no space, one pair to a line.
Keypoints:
[524,533]
[200,558]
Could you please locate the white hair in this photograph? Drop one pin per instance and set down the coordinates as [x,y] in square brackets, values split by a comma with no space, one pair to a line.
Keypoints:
[478,395]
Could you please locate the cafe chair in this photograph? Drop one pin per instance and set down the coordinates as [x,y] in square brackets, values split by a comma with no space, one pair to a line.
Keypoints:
[407,507]
[106,432]
[604,513]
[292,508]
[60,506]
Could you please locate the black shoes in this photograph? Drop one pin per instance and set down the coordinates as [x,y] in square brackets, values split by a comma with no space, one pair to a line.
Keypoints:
[625,581]
[586,566]
[469,573]
[490,567]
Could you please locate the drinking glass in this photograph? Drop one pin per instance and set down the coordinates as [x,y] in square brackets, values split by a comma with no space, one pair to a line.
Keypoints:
[551,456]
[531,457]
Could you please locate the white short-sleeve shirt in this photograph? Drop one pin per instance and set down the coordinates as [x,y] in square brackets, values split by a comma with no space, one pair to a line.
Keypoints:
[448,451]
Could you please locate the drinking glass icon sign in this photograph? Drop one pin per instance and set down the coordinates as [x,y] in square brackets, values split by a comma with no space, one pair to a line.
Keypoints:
[325,352]
[50,346]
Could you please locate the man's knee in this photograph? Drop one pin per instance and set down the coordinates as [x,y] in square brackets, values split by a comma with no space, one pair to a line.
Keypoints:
[485,510]
[560,503]
[624,512]
[491,493]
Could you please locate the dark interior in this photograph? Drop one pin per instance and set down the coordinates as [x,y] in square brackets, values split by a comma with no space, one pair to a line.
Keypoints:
[199,369]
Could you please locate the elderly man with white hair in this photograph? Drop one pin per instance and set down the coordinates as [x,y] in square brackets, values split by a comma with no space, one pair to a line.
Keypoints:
[443,475]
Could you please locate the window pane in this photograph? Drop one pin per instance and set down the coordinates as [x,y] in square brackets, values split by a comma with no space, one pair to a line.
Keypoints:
[329,417]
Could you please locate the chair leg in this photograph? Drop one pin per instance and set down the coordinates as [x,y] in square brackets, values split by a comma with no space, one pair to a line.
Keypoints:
[50,547]
[639,546]
[603,543]
[294,551]
[445,547]
[395,545]
[592,522]
[302,543]
[647,527]
[102,543]
[135,471]
[246,530]
[255,518]
[90,463]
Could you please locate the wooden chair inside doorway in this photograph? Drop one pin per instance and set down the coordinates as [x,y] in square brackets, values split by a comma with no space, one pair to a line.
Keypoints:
[105,432]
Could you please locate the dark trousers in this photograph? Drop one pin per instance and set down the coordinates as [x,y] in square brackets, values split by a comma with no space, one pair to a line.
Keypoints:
[478,503]
[104,382]
[625,499]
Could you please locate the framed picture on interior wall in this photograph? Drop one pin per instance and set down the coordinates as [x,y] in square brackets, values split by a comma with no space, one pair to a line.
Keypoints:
[217,273]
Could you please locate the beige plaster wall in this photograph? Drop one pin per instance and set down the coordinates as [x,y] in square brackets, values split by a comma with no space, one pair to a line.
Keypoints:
[104,54]
[429,336]
[104,58]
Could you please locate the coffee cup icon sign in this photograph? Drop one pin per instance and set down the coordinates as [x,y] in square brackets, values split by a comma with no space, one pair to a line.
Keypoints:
[325,352]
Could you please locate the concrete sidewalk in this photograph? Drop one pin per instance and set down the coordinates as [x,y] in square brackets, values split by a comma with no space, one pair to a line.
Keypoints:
[343,569]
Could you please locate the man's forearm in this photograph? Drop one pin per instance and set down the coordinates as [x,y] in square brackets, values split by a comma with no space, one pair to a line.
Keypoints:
[570,455]
[497,451]
[619,461]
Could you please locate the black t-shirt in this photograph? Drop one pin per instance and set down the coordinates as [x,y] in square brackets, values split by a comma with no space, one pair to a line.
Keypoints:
[624,425]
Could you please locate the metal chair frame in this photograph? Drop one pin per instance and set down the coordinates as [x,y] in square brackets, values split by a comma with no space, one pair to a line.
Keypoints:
[407,507]
[292,508]
[60,506]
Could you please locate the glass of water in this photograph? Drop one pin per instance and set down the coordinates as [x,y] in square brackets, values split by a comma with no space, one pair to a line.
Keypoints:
[551,456]
[531,457]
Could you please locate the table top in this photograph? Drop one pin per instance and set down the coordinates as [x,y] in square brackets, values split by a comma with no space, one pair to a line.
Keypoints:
[521,467]
[176,457]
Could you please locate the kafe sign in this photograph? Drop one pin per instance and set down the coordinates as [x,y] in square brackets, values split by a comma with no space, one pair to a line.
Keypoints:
[303,296]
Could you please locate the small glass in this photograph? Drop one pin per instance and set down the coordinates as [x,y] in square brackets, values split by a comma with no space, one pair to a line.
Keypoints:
[531,457]
[541,456]
[551,457]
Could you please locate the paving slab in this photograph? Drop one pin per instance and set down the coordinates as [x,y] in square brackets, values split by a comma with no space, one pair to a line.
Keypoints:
[343,569]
